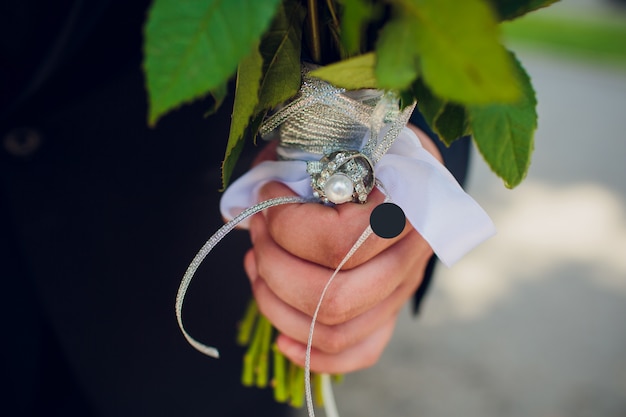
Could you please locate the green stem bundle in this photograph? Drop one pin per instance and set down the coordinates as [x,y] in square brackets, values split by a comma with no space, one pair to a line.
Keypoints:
[262,356]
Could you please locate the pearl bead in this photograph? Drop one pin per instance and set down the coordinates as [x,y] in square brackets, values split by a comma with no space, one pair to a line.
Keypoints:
[339,188]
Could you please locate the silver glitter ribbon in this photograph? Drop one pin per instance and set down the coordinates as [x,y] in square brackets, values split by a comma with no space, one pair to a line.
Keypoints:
[323,119]
[205,250]
[324,122]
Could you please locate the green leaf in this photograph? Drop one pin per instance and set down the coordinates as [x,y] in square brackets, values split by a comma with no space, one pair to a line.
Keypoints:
[280,48]
[351,74]
[448,120]
[194,46]
[458,45]
[230,161]
[246,100]
[219,95]
[504,132]
[397,64]
[428,104]
[266,78]
[510,9]
[407,98]
[450,123]
[356,14]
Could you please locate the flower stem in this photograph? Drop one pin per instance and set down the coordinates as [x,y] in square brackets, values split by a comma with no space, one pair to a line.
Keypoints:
[250,359]
[327,392]
[333,13]
[317,390]
[296,377]
[315,41]
[281,391]
[287,379]
[262,362]
[247,323]
[247,376]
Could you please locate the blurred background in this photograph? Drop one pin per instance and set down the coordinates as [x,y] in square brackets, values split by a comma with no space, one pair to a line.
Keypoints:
[533,322]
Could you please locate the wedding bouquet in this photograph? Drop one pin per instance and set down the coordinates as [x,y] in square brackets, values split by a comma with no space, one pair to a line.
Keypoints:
[334,82]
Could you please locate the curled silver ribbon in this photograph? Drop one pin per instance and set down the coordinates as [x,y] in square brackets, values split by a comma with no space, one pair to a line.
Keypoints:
[202,254]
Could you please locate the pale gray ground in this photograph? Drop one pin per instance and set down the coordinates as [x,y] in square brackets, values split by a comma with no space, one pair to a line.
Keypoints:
[533,322]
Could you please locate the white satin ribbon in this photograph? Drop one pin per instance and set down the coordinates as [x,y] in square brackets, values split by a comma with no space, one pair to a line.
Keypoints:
[432,200]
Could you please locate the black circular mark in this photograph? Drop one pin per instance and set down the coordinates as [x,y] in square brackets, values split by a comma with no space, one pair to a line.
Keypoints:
[387,220]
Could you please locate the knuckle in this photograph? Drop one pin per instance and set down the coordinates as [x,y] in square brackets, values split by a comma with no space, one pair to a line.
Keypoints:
[334,311]
[258,290]
[262,269]
[334,341]
[371,358]
[353,262]
[339,245]
[336,250]
[273,223]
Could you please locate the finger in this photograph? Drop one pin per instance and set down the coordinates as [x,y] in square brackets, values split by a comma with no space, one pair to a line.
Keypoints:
[324,234]
[363,355]
[337,338]
[299,283]
[249,266]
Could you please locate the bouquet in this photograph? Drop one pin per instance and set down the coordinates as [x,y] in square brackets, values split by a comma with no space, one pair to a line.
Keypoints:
[334,82]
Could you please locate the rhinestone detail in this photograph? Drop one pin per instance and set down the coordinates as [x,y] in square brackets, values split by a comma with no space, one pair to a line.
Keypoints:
[342,176]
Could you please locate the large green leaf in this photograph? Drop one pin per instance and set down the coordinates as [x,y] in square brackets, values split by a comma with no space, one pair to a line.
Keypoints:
[504,132]
[450,123]
[446,119]
[510,9]
[458,45]
[428,104]
[356,14]
[194,46]
[280,48]
[397,58]
[266,78]
[246,99]
[351,74]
